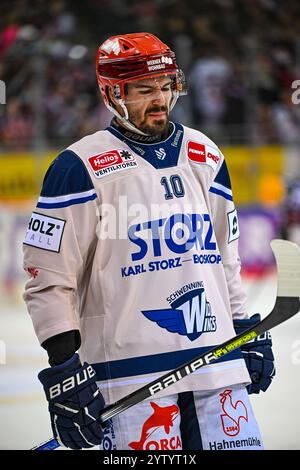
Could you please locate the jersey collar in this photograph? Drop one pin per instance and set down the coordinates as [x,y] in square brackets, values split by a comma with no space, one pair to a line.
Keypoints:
[162,154]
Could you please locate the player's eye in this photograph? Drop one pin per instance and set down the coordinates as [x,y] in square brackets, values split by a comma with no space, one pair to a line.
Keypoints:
[145,92]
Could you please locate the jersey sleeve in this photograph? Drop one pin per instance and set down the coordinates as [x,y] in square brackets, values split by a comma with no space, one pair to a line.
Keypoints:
[60,236]
[225,222]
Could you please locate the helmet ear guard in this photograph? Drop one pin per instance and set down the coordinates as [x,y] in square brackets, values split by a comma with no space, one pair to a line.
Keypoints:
[130,57]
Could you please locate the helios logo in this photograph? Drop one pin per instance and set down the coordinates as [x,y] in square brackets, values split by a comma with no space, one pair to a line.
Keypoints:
[105,160]
[112,161]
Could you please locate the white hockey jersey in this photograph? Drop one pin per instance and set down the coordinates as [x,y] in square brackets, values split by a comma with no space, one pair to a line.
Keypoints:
[136,245]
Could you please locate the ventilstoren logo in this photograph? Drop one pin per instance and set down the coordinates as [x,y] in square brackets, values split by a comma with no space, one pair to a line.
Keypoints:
[159,424]
[110,162]
[232,413]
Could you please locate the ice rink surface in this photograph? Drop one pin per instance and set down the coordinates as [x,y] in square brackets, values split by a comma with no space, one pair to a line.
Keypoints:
[24,419]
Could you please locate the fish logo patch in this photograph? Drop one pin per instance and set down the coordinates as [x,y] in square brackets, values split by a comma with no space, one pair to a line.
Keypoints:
[156,433]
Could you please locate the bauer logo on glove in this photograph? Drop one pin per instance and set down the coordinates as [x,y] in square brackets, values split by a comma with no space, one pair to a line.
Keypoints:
[71,382]
[75,403]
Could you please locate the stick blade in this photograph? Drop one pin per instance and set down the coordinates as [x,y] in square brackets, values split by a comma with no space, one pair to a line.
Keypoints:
[287,255]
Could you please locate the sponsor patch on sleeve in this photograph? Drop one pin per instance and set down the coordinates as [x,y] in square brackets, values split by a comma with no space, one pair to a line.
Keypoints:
[200,153]
[233,226]
[45,232]
[111,162]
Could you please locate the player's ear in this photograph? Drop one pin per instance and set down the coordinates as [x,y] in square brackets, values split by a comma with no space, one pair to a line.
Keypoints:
[112,97]
[114,102]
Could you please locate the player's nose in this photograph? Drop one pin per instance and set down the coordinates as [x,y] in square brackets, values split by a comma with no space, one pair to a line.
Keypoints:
[159,98]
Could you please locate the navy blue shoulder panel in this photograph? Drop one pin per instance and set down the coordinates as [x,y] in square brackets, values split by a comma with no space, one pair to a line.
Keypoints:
[223,177]
[66,175]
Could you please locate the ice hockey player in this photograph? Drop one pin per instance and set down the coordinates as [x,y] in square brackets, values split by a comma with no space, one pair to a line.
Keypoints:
[132,253]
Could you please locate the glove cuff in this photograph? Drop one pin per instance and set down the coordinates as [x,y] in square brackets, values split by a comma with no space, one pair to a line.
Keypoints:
[70,365]
[61,385]
[245,323]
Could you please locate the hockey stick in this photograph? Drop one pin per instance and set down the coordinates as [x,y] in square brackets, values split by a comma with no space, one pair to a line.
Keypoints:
[287,304]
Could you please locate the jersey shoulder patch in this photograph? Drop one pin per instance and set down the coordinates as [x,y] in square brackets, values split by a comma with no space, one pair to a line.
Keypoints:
[201,150]
[66,182]
[201,153]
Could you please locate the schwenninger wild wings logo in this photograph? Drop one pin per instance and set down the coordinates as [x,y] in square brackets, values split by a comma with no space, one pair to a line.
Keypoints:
[189,316]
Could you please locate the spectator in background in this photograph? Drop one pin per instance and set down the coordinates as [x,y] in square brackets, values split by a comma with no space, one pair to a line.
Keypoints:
[16,128]
[245,53]
[286,118]
[208,80]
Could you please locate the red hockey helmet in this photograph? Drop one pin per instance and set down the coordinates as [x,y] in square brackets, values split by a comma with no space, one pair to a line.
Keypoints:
[128,57]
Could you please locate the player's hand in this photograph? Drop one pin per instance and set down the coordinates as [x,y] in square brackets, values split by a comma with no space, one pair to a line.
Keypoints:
[258,356]
[75,403]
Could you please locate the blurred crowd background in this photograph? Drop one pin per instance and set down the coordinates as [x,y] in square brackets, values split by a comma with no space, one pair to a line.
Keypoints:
[241,60]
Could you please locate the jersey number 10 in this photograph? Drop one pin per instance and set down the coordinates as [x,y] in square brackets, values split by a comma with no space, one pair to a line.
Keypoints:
[174,187]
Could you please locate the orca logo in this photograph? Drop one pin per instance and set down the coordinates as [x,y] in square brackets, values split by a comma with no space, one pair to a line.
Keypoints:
[159,424]
[189,316]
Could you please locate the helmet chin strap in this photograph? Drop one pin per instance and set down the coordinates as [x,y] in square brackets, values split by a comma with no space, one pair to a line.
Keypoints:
[125,119]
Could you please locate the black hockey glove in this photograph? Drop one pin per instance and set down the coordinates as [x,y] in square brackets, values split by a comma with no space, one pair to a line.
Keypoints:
[75,403]
[258,356]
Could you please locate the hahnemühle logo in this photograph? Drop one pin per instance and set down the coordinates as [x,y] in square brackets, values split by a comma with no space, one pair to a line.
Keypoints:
[2,92]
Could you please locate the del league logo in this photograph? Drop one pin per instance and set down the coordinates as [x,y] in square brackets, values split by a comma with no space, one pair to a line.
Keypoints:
[111,162]
[200,153]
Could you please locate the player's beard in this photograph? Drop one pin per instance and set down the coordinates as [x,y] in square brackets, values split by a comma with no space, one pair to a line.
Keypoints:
[157,126]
